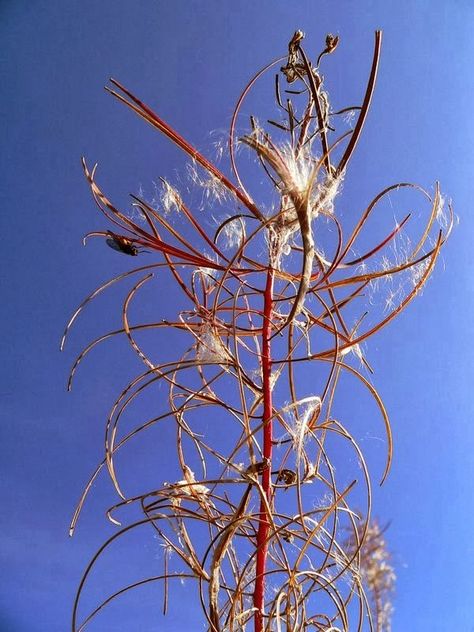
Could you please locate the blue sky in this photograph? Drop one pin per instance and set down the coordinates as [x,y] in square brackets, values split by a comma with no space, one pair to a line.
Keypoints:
[189,60]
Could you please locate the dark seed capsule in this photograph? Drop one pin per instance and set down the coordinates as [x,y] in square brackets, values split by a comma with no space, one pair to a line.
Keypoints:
[121,244]
[288,477]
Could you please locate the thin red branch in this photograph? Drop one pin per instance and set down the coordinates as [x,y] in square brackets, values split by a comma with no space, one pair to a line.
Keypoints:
[365,105]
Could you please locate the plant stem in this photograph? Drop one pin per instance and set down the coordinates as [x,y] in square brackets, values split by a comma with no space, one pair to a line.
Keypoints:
[264,519]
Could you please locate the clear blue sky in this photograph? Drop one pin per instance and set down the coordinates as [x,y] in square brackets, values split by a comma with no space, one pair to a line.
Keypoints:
[190,59]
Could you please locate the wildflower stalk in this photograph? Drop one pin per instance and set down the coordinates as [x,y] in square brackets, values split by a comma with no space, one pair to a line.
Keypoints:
[242,367]
[267,421]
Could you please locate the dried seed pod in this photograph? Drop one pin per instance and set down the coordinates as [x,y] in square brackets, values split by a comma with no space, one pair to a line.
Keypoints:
[288,477]
[121,244]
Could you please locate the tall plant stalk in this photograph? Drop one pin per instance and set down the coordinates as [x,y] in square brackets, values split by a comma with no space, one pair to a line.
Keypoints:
[268,298]
[267,419]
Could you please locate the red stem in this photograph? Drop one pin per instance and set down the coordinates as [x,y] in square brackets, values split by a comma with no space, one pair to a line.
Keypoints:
[264,521]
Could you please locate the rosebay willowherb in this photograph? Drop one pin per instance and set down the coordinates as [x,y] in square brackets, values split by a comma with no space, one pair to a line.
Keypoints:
[278,301]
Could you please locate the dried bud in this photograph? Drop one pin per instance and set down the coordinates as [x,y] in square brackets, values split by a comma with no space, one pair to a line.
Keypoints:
[288,477]
[295,42]
[331,42]
[287,536]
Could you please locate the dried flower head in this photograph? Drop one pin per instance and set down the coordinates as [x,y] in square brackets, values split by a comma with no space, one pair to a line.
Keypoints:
[377,572]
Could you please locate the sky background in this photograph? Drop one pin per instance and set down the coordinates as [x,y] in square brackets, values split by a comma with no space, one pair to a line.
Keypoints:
[190,59]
